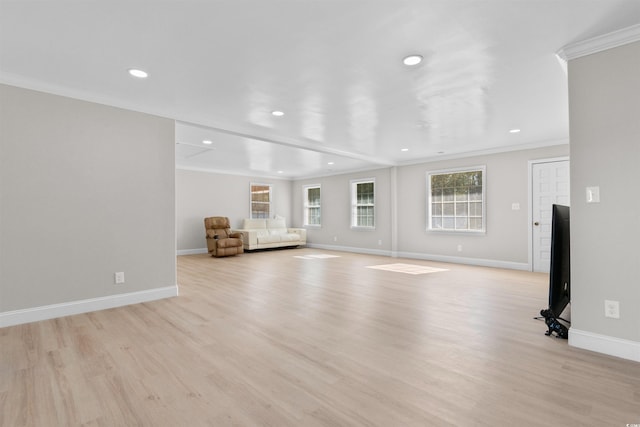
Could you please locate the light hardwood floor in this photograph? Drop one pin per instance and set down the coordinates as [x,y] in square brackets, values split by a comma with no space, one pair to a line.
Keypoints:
[272,339]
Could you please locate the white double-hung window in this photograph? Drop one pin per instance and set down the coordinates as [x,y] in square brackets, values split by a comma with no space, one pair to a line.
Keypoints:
[312,206]
[261,196]
[456,200]
[363,203]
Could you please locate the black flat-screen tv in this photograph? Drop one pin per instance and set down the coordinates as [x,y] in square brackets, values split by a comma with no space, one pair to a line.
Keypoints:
[560,271]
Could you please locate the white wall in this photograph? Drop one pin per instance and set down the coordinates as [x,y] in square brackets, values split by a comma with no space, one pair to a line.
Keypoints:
[86,191]
[205,194]
[604,99]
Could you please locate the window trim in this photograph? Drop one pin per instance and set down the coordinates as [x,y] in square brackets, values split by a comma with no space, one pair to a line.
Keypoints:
[353,184]
[429,174]
[305,205]
[270,203]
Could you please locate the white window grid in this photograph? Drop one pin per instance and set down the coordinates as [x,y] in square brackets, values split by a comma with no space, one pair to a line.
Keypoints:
[312,205]
[261,196]
[363,203]
[457,208]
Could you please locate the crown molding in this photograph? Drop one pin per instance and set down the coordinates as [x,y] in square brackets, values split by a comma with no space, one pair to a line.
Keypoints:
[487,152]
[600,43]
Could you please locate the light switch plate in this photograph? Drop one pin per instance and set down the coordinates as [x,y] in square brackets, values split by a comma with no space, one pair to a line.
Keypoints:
[593,194]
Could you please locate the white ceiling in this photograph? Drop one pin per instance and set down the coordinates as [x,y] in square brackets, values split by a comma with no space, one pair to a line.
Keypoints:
[334,67]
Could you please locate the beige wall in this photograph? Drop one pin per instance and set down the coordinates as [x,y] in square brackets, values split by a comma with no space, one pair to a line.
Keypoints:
[401,211]
[86,191]
[604,99]
[336,212]
[204,194]
[507,181]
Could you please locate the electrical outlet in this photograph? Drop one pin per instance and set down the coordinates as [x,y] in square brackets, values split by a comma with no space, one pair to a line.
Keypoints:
[612,309]
[379,242]
[335,238]
[459,248]
[118,277]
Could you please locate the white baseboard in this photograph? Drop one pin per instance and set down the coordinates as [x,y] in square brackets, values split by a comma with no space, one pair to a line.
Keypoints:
[468,261]
[428,257]
[350,249]
[35,314]
[192,251]
[414,255]
[625,349]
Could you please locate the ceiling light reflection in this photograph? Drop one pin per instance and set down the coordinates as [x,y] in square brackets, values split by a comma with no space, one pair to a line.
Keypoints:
[138,73]
[412,60]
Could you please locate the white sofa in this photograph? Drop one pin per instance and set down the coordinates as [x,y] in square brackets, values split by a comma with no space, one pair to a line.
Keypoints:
[270,233]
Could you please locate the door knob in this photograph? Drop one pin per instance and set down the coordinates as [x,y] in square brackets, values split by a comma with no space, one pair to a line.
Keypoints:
[536,223]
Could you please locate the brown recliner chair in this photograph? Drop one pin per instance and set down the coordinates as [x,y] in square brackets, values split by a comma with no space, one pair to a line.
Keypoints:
[220,240]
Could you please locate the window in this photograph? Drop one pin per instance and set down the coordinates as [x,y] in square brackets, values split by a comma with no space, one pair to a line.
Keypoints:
[363,203]
[261,197]
[312,205]
[456,200]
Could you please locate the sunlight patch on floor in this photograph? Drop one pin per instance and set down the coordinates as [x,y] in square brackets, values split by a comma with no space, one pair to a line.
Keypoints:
[407,268]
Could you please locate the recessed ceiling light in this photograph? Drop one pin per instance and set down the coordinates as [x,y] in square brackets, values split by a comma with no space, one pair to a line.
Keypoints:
[514,131]
[440,152]
[412,60]
[280,172]
[330,163]
[138,73]
[208,142]
[277,113]
[404,149]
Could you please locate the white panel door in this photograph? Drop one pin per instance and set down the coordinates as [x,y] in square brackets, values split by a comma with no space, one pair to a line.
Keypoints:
[550,185]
